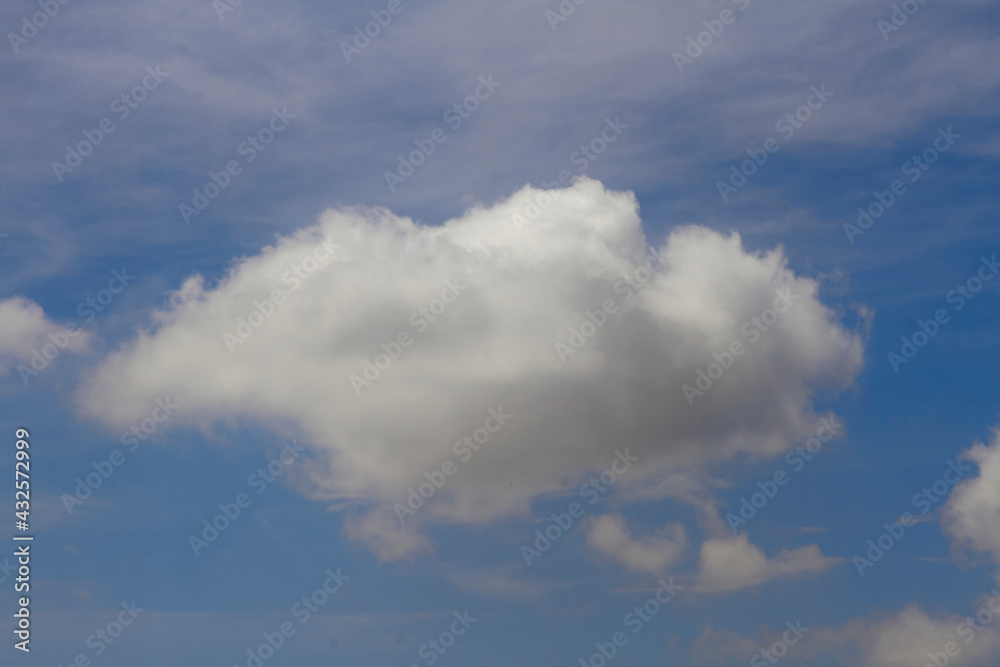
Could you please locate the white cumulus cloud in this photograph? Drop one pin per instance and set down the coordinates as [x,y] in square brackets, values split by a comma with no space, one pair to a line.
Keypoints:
[972,514]
[652,553]
[25,331]
[480,307]
[731,564]
[909,637]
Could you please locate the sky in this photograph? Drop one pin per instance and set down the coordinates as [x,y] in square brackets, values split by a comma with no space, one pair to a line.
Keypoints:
[539,333]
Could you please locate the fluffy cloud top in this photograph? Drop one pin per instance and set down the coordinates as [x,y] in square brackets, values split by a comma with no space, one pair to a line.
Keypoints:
[474,312]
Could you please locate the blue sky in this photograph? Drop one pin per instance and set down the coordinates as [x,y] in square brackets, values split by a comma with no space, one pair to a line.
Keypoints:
[300,137]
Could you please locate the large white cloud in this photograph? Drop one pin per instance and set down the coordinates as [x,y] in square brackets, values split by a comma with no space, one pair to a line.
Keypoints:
[493,348]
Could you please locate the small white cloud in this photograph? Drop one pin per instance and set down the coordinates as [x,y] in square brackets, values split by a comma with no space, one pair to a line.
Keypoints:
[912,637]
[382,534]
[25,332]
[731,564]
[653,553]
[716,646]
[972,515]
[908,638]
